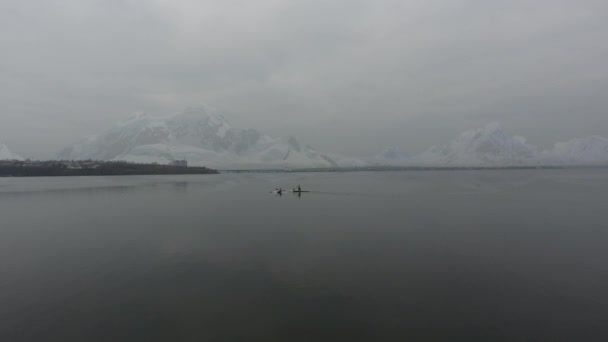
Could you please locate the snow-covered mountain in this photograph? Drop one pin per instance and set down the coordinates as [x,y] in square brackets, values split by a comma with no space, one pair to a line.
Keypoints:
[488,146]
[6,154]
[491,146]
[203,137]
[590,150]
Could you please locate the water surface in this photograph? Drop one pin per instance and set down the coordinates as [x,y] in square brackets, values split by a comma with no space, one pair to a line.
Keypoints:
[518,255]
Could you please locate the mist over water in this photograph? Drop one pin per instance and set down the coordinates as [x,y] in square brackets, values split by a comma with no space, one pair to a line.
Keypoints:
[445,254]
[384,256]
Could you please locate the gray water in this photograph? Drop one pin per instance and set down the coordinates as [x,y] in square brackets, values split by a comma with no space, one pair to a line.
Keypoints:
[386,256]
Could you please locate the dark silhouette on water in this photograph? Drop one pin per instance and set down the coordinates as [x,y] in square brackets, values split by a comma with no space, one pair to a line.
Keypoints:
[56,168]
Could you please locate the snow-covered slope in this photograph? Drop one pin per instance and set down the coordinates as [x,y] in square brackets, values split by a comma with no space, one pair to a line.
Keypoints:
[203,137]
[6,154]
[491,146]
[590,150]
[488,146]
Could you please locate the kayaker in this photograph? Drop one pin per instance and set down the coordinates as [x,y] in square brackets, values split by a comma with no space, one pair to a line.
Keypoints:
[299,188]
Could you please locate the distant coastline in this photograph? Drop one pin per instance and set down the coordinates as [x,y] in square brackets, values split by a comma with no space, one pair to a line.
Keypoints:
[66,168]
[416,168]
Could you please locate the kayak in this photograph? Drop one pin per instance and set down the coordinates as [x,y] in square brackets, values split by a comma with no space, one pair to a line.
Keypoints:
[295,190]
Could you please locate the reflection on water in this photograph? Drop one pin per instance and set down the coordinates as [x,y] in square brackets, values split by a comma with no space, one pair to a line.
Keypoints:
[481,255]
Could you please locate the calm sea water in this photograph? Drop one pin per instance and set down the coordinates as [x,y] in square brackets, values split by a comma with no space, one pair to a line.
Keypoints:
[386,256]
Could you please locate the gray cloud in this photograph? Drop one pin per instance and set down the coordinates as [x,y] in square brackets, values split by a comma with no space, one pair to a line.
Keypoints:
[347,76]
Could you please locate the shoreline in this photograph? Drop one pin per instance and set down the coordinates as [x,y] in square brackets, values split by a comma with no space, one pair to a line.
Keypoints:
[94,168]
[54,168]
[415,168]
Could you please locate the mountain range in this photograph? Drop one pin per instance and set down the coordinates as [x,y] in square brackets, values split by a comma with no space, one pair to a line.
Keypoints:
[202,136]
[492,146]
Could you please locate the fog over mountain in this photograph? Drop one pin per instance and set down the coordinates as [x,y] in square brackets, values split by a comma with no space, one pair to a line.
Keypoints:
[493,146]
[593,149]
[202,136]
[7,154]
[490,145]
[347,76]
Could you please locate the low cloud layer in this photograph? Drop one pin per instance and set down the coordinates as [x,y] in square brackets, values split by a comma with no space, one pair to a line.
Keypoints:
[348,76]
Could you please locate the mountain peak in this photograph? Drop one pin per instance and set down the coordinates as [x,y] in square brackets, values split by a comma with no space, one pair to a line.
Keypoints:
[592,149]
[202,136]
[487,146]
[7,154]
[293,143]
[488,130]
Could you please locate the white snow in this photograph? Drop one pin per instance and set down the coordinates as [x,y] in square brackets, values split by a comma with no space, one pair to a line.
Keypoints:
[590,150]
[7,154]
[203,137]
[488,146]
[491,146]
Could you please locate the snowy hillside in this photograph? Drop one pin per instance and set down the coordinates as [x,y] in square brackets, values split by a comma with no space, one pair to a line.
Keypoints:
[203,137]
[590,150]
[491,146]
[488,146]
[6,154]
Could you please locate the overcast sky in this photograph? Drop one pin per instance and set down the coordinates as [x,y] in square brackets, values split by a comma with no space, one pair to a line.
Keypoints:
[346,76]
